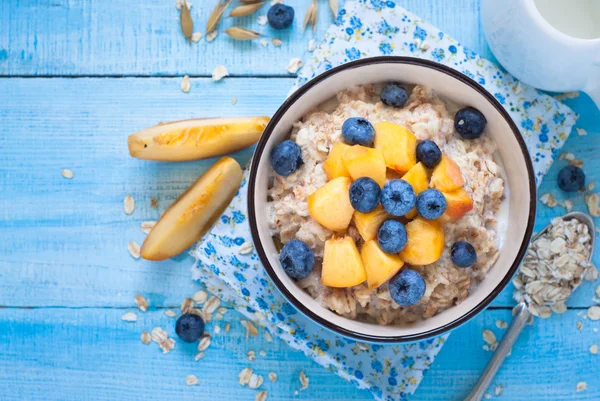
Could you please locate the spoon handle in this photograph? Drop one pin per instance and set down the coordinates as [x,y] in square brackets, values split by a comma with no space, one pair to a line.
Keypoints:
[521,318]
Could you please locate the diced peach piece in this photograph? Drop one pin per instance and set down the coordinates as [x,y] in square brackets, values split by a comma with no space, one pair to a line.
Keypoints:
[417,177]
[367,224]
[425,242]
[342,264]
[334,166]
[330,205]
[379,266]
[446,176]
[397,144]
[458,203]
[365,162]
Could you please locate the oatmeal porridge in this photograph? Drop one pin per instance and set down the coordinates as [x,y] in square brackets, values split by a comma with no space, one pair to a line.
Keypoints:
[385,209]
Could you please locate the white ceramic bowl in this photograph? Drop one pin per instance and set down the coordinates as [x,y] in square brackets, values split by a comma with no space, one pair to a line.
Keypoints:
[451,85]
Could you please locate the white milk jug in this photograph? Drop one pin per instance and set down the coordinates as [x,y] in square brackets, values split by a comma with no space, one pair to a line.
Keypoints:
[552,45]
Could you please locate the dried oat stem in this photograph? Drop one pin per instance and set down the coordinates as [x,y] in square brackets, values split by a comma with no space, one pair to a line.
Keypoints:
[242,33]
[247,9]
[215,16]
[186,22]
[333,4]
[250,1]
[311,16]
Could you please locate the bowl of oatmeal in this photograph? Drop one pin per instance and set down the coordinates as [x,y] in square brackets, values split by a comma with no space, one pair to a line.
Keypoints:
[391,199]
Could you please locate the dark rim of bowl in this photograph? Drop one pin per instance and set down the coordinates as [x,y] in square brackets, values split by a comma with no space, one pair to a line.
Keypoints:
[252,215]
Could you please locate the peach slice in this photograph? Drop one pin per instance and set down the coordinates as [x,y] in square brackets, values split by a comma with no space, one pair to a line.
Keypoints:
[365,162]
[397,144]
[446,176]
[379,266]
[425,242]
[458,203]
[334,166]
[194,212]
[196,139]
[330,205]
[342,264]
[417,177]
[367,224]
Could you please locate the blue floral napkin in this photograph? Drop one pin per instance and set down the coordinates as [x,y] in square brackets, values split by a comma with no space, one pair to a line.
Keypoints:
[367,28]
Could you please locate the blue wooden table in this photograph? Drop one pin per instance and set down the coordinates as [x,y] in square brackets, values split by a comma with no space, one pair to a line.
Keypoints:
[76,77]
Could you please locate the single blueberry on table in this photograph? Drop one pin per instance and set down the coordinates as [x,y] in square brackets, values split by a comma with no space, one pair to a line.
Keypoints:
[358,131]
[286,158]
[365,194]
[571,179]
[394,95]
[428,153]
[398,197]
[391,236]
[189,327]
[431,204]
[469,123]
[280,16]
[463,254]
[297,259]
[407,287]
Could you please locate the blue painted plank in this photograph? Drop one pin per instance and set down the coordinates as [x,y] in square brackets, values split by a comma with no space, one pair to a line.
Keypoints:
[115,38]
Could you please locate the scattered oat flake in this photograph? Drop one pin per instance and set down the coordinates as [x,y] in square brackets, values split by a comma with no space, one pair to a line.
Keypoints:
[262,20]
[576,163]
[304,381]
[594,313]
[68,174]
[566,156]
[268,336]
[211,305]
[566,95]
[276,42]
[234,100]
[154,202]
[211,36]
[187,306]
[217,329]
[487,396]
[246,248]
[592,201]
[312,44]
[145,337]
[251,329]
[251,355]
[199,356]
[141,303]
[594,349]
[147,226]
[294,65]
[219,72]
[273,2]
[262,352]
[489,336]
[581,386]
[255,381]
[598,291]
[134,249]
[498,390]
[129,317]
[591,185]
[501,324]
[200,297]
[548,200]
[568,205]
[244,376]
[170,313]
[261,396]
[227,327]
[581,132]
[128,204]
[264,42]
[185,84]
[273,377]
[191,380]
[204,342]
[180,3]
[196,36]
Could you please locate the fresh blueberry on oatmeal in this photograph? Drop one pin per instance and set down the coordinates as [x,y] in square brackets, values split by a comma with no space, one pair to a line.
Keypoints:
[297,259]
[407,287]
[280,16]
[189,327]
[391,236]
[286,158]
[571,179]
[469,123]
[463,254]
[394,95]
[428,153]
[365,194]
[431,204]
[398,197]
[358,131]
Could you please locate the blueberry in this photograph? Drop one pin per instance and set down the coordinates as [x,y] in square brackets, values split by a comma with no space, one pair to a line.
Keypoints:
[286,158]
[189,327]
[431,204]
[463,254]
[297,259]
[469,123]
[280,16]
[428,153]
[365,194]
[394,95]
[571,179]
[398,197]
[358,131]
[391,236]
[407,287]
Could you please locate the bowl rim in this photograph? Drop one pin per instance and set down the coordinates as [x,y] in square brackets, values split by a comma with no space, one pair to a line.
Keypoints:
[252,189]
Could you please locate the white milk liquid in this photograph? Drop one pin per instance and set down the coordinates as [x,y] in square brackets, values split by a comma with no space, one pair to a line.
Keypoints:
[576,18]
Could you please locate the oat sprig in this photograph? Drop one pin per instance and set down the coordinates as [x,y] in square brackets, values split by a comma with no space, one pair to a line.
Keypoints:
[186,22]
[239,33]
[244,10]
[311,16]
[215,16]
[333,4]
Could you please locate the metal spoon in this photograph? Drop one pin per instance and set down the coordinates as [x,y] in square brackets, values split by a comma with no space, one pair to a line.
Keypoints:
[521,318]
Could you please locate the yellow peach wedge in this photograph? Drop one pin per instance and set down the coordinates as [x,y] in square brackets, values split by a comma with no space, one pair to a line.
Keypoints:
[417,177]
[425,242]
[334,166]
[379,266]
[342,264]
[446,175]
[330,205]
[397,144]
[194,212]
[458,203]
[367,224]
[196,139]
[365,162]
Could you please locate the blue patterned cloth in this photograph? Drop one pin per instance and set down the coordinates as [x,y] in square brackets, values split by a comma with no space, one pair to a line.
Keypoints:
[367,28]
